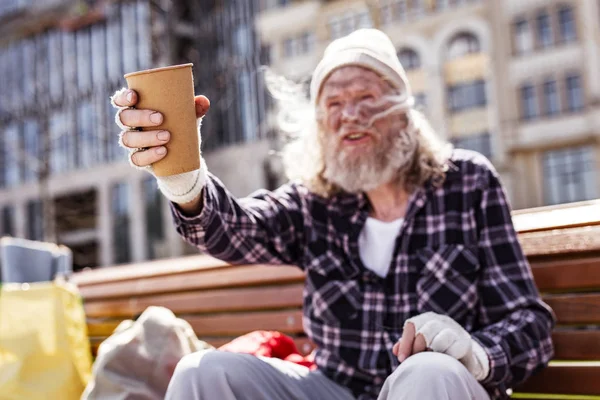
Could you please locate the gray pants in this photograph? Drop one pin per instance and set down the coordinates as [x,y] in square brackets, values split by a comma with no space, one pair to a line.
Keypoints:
[217,375]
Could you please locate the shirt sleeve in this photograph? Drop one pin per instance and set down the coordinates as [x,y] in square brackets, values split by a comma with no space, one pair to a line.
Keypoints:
[516,324]
[266,227]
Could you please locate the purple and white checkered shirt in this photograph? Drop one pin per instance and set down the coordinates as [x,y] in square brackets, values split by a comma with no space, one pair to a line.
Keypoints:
[457,254]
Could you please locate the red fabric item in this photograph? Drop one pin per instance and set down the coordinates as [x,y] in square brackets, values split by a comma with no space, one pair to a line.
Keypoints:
[269,344]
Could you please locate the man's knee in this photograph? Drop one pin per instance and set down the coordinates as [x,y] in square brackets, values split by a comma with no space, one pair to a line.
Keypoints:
[428,376]
[431,366]
[207,367]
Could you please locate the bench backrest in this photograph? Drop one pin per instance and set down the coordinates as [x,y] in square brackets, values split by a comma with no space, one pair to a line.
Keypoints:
[222,301]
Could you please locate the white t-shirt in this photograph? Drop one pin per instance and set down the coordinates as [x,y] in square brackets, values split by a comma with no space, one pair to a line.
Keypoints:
[376,244]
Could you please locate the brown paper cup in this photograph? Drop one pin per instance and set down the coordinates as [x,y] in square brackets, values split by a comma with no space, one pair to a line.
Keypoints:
[170,90]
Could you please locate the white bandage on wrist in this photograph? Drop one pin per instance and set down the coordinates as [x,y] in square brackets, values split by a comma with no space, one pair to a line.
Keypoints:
[183,188]
[442,334]
[479,362]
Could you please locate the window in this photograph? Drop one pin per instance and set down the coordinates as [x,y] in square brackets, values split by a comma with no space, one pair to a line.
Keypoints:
[342,25]
[385,14]
[42,62]
[89,148]
[129,37]
[441,5]
[120,211]
[299,45]
[62,149]
[523,40]
[420,101]
[248,106]
[56,64]
[462,45]
[113,43]
[29,79]
[400,10]
[144,35]
[335,27]
[268,4]
[574,93]
[11,156]
[480,143]
[570,175]
[32,150]
[5,97]
[69,60]
[551,98]
[467,95]
[16,77]
[99,71]
[409,59]
[544,30]
[8,225]
[566,22]
[529,107]
[363,20]
[418,8]
[35,220]
[154,216]
[84,68]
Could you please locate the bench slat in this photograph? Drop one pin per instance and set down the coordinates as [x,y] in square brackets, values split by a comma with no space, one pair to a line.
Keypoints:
[576,345]
[210,301]
[287,321]
[558,216]
[162,267]
[578,274]
[575,309]
[250,275]
[565,378]
[561,241]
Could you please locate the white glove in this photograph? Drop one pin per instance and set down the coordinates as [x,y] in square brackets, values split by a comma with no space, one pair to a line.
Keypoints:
[181,188]
[442,334]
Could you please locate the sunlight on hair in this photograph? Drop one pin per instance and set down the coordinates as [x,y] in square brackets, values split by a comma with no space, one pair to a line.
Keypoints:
[415,155]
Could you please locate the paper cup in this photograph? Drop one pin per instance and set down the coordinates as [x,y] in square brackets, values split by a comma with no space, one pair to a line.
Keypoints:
[170,90]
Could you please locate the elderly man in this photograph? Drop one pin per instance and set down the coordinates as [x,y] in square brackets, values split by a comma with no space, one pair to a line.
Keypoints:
[416,285]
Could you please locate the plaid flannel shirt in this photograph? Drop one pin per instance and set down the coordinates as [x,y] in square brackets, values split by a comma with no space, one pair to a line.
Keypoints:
[457,254]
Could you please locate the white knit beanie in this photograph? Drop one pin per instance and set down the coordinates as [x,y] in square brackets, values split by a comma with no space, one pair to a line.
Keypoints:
[368,48]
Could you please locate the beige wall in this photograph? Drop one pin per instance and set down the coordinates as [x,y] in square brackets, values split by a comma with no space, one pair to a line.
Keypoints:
[518,145]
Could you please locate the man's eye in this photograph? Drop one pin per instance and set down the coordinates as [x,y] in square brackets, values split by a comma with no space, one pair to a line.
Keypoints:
[334,104]
[367,97]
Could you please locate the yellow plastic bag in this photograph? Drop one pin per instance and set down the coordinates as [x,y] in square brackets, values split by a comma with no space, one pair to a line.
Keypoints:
[44,348]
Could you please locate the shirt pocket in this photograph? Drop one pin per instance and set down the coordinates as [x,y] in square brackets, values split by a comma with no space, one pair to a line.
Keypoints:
[335,302]
[449,276]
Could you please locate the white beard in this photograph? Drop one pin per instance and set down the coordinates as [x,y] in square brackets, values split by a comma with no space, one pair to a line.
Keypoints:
[364,172]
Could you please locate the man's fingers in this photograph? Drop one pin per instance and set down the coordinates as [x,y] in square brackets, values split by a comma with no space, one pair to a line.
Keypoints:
[395,348]
[202,105]
[125,98]
[136,139]
[406,342]
[141,118]
[150,156]
[419,344]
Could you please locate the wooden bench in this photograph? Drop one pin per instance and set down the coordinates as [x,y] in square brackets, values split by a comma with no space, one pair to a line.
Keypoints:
[221,301]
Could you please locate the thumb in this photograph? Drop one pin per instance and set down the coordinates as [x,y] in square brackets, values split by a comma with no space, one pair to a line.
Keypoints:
[202,105]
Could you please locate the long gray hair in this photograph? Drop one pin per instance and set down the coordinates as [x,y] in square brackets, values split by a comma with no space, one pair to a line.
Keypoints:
[303,156]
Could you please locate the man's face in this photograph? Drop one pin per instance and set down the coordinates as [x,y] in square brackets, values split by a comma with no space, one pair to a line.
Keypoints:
[362,132]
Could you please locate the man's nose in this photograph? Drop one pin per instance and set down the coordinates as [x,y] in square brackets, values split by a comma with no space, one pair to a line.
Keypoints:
[350,112]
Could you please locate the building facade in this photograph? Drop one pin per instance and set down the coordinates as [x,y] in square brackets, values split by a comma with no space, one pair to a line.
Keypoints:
[515,80]
[63,176]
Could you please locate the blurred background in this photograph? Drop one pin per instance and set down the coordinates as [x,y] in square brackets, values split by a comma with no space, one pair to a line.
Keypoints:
[518,81]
